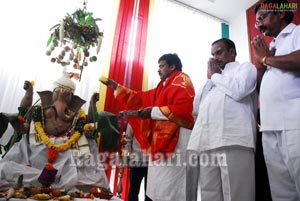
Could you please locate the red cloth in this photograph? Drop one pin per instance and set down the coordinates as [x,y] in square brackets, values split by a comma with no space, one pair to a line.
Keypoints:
[175,100]
[118,70]
[119,61]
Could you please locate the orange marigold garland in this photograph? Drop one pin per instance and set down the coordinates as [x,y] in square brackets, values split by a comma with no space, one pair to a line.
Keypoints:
[47,177]
[48,142]
[21,119]
[49,166]
[52,155]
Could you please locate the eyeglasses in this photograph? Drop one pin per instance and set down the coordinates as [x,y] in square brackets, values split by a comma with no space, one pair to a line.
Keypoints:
[261,18]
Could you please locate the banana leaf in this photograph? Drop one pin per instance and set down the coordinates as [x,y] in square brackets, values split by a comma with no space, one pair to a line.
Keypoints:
[109,129]
[3,124]
[5,119]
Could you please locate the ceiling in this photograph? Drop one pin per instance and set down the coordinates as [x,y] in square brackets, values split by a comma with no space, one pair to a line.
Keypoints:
[226,10]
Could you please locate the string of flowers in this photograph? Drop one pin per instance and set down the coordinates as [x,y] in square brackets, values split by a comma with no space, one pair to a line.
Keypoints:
[59,147]
[47,176]
[66,145]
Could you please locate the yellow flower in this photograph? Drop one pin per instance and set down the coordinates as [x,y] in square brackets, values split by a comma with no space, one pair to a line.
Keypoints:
[103,79]
[88,128]
[82,114]
[59,147]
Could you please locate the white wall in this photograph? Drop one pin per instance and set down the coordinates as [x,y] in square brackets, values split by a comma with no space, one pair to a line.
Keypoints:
[238,32]
[24,34]
[23,38]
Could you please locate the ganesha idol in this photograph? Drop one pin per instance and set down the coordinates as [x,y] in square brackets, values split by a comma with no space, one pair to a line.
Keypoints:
[57,149]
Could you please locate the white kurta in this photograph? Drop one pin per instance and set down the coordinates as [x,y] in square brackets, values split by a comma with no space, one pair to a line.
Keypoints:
[280,91]
[226,105]
[224,135]
[280,122]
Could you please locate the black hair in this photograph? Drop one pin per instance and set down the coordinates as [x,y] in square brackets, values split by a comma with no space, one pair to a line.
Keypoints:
[289,15]
[172,59]
[227,42]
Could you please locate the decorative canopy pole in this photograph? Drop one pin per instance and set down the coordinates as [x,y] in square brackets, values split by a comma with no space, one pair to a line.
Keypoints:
[123,157]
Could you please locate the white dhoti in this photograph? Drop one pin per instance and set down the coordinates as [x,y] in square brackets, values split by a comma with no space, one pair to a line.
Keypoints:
[167,179]
[227,174]
[282,156]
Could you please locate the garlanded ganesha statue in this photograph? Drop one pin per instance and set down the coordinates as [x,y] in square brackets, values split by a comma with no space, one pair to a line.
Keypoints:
[60,150]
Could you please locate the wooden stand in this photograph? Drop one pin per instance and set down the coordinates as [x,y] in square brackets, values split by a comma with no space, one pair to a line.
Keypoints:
[120,175]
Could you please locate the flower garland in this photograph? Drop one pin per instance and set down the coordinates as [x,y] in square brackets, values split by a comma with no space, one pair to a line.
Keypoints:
[52,155]
[60,147]
[48,174]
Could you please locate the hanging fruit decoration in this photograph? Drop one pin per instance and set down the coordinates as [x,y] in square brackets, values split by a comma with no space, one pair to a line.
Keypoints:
[73,37]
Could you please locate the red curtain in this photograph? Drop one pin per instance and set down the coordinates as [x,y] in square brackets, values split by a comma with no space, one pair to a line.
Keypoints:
[127,72]
[117,70]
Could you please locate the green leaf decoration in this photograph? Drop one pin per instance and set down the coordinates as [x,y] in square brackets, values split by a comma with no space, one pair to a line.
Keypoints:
[14,138]
[76,30]
[20,181]
[3,123]
[22,111]
[109,129]
[79,27]
[96,116]
[36,113]
[50,40]
[54,27]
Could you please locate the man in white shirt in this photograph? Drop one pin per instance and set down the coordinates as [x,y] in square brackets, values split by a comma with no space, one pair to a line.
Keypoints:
[279,75]
[223,136]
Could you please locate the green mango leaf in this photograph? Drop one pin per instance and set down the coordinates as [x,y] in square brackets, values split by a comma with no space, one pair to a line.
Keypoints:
[109,129]
[20,181]
[89,21]
[96,116]
[14,138]
[55,26]
[50,40]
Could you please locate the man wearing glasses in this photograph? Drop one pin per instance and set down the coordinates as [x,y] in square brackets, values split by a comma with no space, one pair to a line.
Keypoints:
[279,80]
